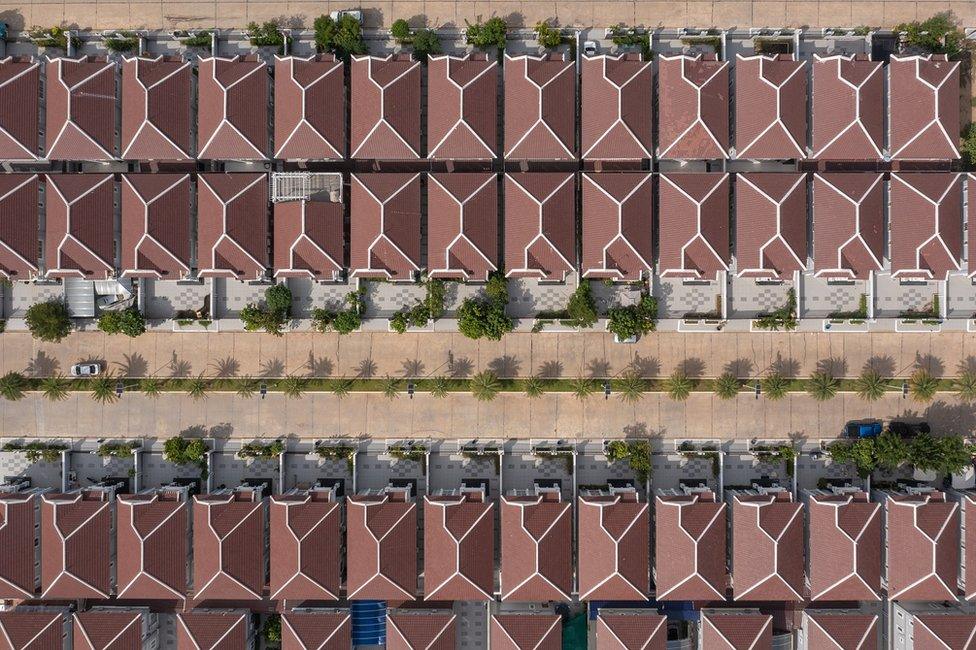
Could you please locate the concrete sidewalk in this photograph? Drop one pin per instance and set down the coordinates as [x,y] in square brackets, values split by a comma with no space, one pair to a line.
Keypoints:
[226,14]
[322,415]
[591,354]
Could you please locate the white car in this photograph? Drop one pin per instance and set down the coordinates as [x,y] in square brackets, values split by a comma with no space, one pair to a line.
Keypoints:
[589,48]
[355,13]
[86,369]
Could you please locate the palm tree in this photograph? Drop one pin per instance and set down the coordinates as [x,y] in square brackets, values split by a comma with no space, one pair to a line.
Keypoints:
[391,387]
[342,387]
[775,385]
[727,386]
[439,387]
[870,386]
[678,386]
[485,386]
[823,386]
[923,386]
[55,388]
[151,386]
[534,386]
[632,387]
[103,390]
[246,387]
[293,387]
[966,385]
[12,386]
[582,387]
[197,388]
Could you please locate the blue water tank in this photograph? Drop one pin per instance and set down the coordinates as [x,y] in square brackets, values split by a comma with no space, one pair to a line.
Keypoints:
[368,622]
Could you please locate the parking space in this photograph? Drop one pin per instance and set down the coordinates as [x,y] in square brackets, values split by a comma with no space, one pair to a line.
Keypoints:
[960,297]
[833,42]
[229,471]
[895,297]
[168,299]
[816,470]
[528,298]
[157,471]
[308,294]
[86,467]
[231,296]
[42,473]
[682,299]
[595,471]
[822,298]
[743,469]
[749,298]
[673,470]
[453,467]
[17,297]
[384,299]
[527,464]
[384,463]
[305,467]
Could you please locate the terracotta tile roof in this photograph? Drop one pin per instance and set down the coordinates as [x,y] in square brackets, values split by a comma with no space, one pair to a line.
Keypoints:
[462,123]
[385,106]
[826,629]
[617,226]
[613,549]
[693,220]
[771,225]
[80,109]
[212,630]
[75,547]
[151,547]
[923,547]
[848,225]
[462,225]
[228,548]
[767,548]
[967,523]
[971,223]
[770,107]
[20,91]
[734,631]
[427,631]
[540,225]
[232,120]
[690,548]
[938,631]
[309,110]
[537,558]
[385,226]
[308,240]
[923,100]
[693,104]
[459,549]
[31,630]
[18,226]
[631,631]
[157,97]
[232,225]
[107,630]
[156,225]
[305,549]
[615,121]
[925,218]
[525,632]
[848,108]
[845,548]
[540,115]
[17,539]
[80,228]
[381,549]
[316,631]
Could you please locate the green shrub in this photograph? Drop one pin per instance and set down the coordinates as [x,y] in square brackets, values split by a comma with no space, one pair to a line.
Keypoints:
[582,306]
[278,299]
[940,34]
[968,147]
[48,321]
[480,318]
[548,36]
[125,42]
[635,452]
[116,449]
[272,629]
[399,322]
[186,451]
[265,451]
[436,294]
[490,33]
[128,321]
[497,287]
[784,317]
[633,320]
[272,314]
[343,37]
[400,31]
[201,39]
[426,43]
[35,451]
[265,35]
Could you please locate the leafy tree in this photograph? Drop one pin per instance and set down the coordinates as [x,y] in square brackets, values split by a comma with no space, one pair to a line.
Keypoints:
[12,386]
[966,385]
[48,321]
[480,318]
[727,386]
[924,452]
[127,321]
[632,387]
[103,390]
[391,387]
[490,33]
[582,387]
[347,322]
[534,386]
[343,37]
[968,147]
[197,388]
[823,386]
[633,320]
[400,31]
[246,387]
[265,34]
[679,386]
[954,454]
[293,387]
[272,629]
[582,306]
[940,34]
[185,451]
[775,385]
[426,43]
[151,386]
[399,322]
[923,386]
[278,299]
[497,287]
[548,36]
[485,386]
[870,386]
[859,453]
[55,388]
[890,450]
[272,315]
